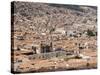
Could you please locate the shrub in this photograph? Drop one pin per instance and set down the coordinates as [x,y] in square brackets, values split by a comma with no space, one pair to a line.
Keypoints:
[52,29]
[90,33]
[78,57]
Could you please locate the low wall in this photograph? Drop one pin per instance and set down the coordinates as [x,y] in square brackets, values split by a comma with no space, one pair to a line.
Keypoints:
[48,55]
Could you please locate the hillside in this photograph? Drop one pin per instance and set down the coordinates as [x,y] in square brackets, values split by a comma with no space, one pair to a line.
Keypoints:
[58,36]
